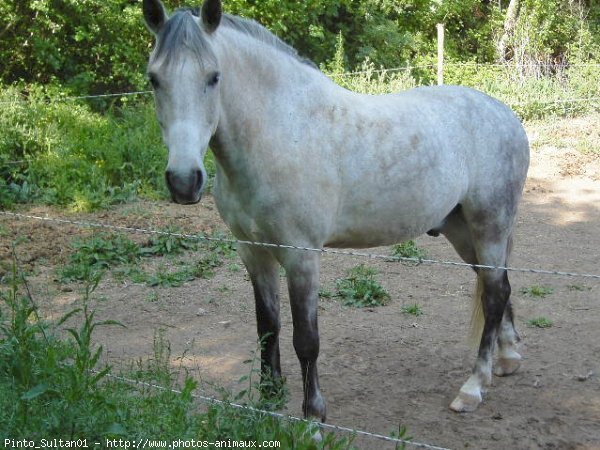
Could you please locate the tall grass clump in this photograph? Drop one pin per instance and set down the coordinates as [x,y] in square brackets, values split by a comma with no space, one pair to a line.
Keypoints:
[54,386]
[568,90]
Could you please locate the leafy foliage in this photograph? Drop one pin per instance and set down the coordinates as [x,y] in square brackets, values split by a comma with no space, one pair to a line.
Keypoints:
[94,46]
[98,253]
[69,155]
[54,387]
[116,252]
[408,249]
[361,289]
[88,46]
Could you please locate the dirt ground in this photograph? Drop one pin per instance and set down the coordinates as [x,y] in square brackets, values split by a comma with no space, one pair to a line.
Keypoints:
[381,368]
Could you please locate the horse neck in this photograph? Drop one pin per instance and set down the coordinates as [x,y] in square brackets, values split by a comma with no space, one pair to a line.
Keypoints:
[260,82]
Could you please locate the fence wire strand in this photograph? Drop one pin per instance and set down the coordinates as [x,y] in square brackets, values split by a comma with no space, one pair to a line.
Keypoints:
[280,416]
[201,237]
[61,98]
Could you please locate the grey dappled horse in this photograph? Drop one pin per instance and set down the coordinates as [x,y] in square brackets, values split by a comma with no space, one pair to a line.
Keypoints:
[302,161]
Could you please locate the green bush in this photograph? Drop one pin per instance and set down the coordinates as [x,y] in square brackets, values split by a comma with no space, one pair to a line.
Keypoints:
[98,46]
[89,46]
[69,155]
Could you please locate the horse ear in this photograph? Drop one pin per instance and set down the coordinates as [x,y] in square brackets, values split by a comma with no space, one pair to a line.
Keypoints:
[155,15]
[212,11]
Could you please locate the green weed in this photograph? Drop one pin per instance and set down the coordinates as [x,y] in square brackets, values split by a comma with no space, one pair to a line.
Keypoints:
[221,246]
[540,322]
[401,433]
[46,383]
[361,289]
[414,310]
[408,249]
[578,287]
[99,253]
[234,268]
[537,291]
[168,244]
[163,278]
[103,251]
[72,156]
[326,293]
[206,267]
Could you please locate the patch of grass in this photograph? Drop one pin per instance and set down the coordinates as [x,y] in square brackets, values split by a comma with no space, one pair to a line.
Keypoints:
[222,247]
[537,291]
[414,310]
[234,268]
[361,289]
[326,293]
[98,253]
[168,244]
[73,156]
[166,279]
[540,322]
[408,249]
[206,267]
[578,287]
[104,251]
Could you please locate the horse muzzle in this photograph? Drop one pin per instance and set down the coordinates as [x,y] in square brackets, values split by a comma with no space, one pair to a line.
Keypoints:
[185,189]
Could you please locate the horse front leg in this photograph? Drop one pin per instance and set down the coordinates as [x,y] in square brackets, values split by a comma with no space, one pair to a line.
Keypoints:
[264,274]
[303,285]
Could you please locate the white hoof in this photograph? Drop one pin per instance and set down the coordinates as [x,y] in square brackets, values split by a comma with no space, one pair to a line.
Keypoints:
[465,402]
[315,433]
[317,437]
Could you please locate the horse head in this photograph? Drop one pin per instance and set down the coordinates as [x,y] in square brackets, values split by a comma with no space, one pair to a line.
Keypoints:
[184,72]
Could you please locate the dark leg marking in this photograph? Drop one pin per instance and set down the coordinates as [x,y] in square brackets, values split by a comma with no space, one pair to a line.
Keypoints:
[303,283]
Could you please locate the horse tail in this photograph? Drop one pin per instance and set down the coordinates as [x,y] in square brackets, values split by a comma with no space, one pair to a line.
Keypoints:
[477,316]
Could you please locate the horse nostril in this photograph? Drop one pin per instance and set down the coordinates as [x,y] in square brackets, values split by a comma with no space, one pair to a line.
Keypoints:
[199,179]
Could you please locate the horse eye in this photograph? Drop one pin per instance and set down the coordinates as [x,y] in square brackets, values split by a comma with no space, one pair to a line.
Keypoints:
[214,79]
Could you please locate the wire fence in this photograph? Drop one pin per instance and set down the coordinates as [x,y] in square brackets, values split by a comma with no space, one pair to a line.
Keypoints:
[468,64]
[199,237]
[333,251]
[407,68]
[67,98]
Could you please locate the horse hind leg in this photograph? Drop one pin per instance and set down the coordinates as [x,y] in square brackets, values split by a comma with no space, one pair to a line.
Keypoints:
[494,292]
[509,359]
[492,316]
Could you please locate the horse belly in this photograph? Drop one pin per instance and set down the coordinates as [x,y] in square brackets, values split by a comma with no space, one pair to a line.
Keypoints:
[384,220]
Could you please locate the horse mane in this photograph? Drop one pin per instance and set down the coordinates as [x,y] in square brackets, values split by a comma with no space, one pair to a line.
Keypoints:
[259,32]
[181,32]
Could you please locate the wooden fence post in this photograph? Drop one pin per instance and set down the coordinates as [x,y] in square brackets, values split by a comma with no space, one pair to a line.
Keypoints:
[440,64]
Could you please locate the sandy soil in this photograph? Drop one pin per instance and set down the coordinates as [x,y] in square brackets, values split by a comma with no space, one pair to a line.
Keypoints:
[381,368]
